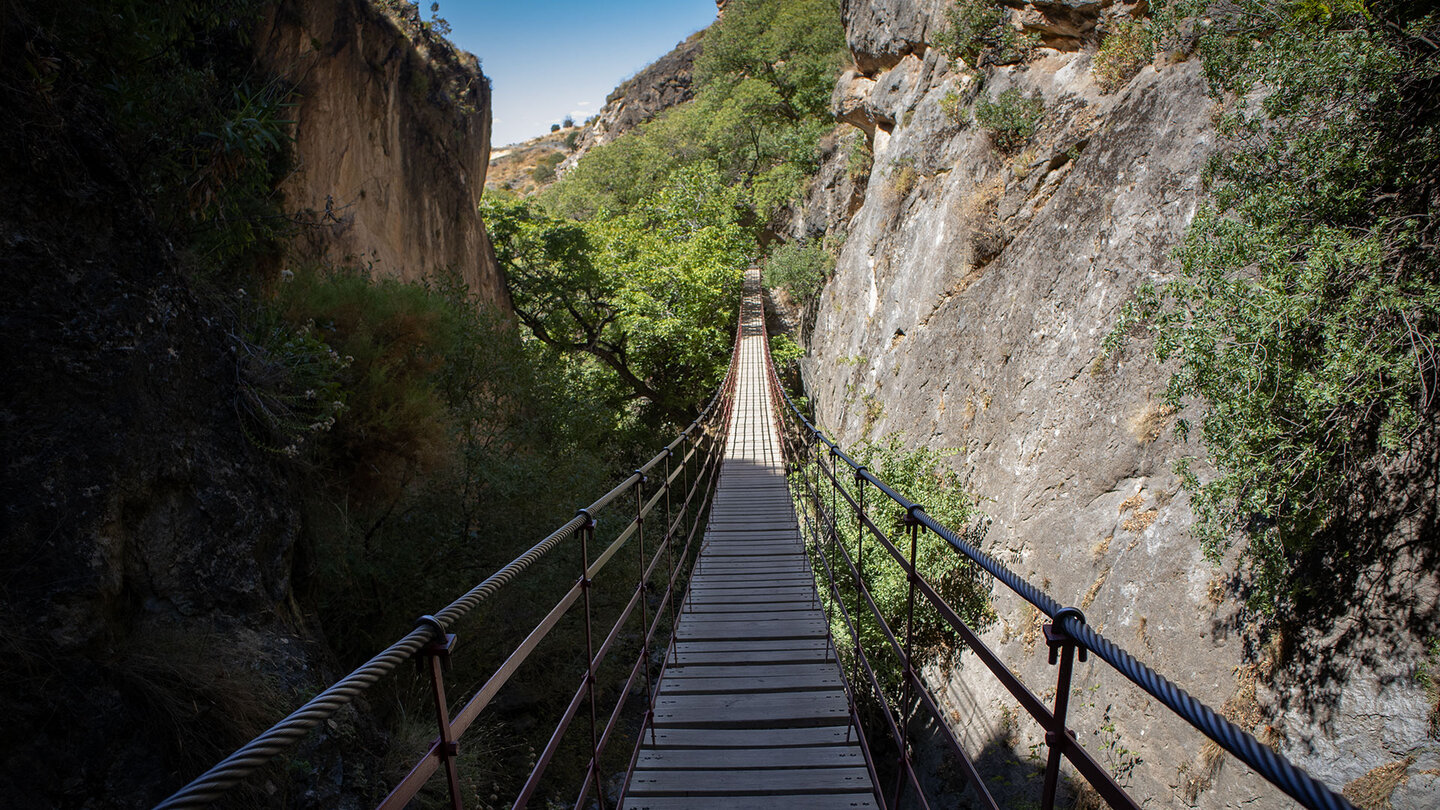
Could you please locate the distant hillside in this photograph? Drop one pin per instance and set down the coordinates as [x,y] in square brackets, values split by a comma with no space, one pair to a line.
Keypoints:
[529,166]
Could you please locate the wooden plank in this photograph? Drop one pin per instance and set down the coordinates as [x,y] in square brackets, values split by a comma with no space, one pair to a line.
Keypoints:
[796,612]
[834,801]
[701,759]
[775,738]
[681,672]
[742,631]
[758,683]
[749,782]
[790,656]
[754,593]
[755,645]
[757,711]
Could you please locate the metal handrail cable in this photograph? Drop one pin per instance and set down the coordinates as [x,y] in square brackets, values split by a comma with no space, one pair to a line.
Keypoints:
[213,783]
[1276,769]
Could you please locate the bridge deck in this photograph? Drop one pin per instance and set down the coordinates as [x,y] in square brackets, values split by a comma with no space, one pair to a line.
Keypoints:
[751,709]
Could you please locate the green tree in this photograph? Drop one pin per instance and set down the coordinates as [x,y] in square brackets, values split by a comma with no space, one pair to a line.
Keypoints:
[763,84]
[799,269]
[650,294]
[793,46]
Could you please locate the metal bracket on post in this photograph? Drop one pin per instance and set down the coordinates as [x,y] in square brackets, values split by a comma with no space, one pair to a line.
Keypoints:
[1062,650]
[434,658]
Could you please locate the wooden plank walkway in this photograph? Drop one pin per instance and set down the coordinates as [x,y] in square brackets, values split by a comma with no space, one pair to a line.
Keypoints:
[751,710]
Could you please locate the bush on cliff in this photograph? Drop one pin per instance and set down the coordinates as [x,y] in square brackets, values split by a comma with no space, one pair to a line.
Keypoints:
[1307,308]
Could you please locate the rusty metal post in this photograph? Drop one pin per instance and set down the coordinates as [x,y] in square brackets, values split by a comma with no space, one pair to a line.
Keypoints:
[908,673]
[642,587]
[834,505]
[1064,645]
[587,534]
[434,658]
[859,578]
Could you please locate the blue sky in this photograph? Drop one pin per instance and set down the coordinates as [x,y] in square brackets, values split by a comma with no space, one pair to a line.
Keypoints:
[550,58]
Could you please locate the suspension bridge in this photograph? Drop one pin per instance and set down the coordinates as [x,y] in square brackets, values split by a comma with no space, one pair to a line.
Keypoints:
[736,695]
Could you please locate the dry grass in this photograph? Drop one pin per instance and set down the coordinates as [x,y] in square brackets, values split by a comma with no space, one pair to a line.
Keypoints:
[1194,781]
[1373,790]
[1150,422]
[1090,595]
[206,690]
[1132,503]
[1140,521]
[1215,591]
[1101,548]
[1034,621]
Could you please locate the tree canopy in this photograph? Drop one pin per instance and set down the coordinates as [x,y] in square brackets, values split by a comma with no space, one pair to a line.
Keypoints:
[650,293]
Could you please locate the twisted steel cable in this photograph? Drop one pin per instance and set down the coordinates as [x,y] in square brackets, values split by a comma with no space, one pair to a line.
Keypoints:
[1275,768]
[212,784]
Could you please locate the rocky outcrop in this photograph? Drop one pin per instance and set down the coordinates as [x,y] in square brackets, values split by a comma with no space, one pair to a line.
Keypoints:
[661,85]
[881,33]
[134,508]
[147,614]
[392,140]
[967,310]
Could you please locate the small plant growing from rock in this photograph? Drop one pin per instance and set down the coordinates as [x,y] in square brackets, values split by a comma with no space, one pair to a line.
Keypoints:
[1011,118]
[903,177]
[1127,48]
[858,159]
[952,104]
[1429,677]
[979,33]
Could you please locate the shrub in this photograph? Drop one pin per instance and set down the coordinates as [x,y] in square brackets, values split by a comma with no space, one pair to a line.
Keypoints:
[798,269]
[568,123]
[1126,49]
[952,104]
[390,339]
[858,159]
[979,33]
[1307,289]
[289,385]
[903,177]
[570,139]
[554,127]
[918,474]
[1011,119]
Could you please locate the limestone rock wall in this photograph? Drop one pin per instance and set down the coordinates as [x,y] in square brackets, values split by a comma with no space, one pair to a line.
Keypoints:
[392,140]
[967,311]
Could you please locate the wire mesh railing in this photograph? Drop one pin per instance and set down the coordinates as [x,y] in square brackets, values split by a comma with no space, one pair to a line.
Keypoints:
[818,466]
[679,482]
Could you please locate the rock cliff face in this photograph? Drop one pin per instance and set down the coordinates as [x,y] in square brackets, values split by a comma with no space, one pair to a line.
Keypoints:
[146,610]
[661,85]
[967,310]
[392,140]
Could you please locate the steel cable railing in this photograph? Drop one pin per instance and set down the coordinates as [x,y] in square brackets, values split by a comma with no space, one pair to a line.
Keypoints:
[704,437]
[1066,635]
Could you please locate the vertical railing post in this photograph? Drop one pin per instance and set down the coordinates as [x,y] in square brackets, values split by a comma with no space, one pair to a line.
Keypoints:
[834,504]
[434,658]
[907,671]
[587,535]
[859,578]
[670,545]
[642,588]
[1061,643]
